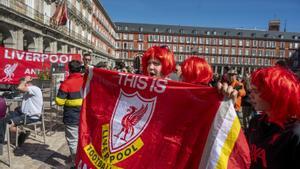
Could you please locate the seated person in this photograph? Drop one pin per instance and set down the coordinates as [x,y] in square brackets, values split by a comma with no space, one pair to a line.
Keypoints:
[30,109]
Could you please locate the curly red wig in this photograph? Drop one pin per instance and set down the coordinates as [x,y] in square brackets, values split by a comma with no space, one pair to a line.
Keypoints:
[196,70]
[164,55]
[280,88]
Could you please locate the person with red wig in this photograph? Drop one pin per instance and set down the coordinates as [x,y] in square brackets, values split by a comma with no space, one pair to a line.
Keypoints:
[158,61]
[196,70]
[274,134]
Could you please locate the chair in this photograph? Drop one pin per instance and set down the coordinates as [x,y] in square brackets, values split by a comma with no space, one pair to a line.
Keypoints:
[40,122]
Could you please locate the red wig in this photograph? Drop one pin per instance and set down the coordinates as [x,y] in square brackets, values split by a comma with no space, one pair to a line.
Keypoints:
[164,55]
[280,88]
[196,70]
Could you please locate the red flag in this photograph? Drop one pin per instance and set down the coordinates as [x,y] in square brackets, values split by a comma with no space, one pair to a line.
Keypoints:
[138,122]
[60,15]
[16,64]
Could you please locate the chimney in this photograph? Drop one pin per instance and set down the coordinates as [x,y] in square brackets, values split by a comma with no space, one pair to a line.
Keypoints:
[274,25]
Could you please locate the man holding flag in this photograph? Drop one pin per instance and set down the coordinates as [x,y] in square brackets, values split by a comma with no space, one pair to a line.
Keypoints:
[149,122]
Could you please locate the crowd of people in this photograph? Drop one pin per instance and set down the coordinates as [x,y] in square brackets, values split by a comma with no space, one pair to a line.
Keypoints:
[267,101]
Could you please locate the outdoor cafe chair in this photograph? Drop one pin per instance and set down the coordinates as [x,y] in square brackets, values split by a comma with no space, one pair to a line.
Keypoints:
[41,122]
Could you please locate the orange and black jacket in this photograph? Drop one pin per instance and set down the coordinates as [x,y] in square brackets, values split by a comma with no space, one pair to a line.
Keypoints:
[69,96]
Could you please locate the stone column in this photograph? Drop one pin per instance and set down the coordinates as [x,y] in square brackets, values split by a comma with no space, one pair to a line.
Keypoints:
[64,48]
[53,47]
[18,37]
[39,45]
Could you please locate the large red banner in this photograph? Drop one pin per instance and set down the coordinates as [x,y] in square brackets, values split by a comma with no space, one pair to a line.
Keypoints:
[15,64]
[138,122]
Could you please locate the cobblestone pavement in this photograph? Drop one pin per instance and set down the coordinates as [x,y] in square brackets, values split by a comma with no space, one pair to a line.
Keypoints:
[34,154]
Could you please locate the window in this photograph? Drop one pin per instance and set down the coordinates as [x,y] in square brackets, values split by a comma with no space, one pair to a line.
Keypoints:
[130,36]
[281,53]
[195,40]
[226,42]
[233,42]
[267,53]
[187,49]
[240,51]
[254,43]
[206,50]
[220,41]
[261,44]
[140,46]
[232,51]
[207,41]
[180,48]
[150,38]
[169,38]
[240,60]
[233,60]
[253,52]
[260,52]
[240,42]
[220,51]
[181,31]
[162,38]
[247,43]
[175,39]
[125,36]
[125,45]
[213,50]
[174,48]
[225,60]
[126,28]
[140,37]
[188,39]
[201,41]
[246,61]
[182,39]
[247,52]
[226,51]
[156,38]
[207,33]
[214,41]
[155,29]
[253,61]
[200,50]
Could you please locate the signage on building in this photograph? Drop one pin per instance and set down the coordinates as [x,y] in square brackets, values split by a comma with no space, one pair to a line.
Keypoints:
[15,64]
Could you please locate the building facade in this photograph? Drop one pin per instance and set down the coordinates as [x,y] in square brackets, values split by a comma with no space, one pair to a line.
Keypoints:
[26,25]
[244,50]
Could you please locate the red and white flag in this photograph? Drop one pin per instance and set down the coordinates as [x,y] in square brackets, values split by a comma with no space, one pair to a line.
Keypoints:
[138,122]
[60,16]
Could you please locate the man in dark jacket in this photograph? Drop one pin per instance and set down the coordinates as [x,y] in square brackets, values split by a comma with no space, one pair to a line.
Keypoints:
[69,96]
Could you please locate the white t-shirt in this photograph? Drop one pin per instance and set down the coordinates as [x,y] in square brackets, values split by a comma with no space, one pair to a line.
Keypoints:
[32,101]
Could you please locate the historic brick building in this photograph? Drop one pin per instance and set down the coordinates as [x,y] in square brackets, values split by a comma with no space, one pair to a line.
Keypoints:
[242,49]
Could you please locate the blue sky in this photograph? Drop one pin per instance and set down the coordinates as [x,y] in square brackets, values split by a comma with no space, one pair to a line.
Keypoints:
[247,14]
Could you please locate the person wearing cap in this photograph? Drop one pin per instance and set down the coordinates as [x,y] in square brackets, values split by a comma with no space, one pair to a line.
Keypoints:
[232,79]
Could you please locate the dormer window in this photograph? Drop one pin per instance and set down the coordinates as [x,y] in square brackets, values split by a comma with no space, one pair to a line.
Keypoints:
[266,35]
[207,33]
[214,33]
[295,37]
[194,32]
[126,28]
[253,34]
[240,33]
[169,30]
[155,29]
[281,36]
[181,31]
[141,29]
